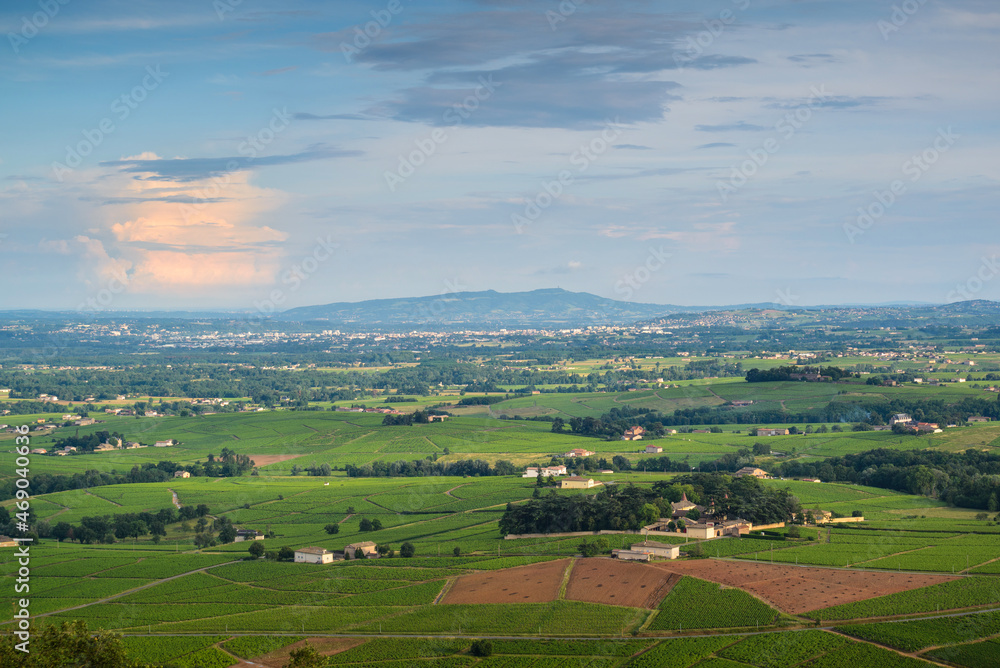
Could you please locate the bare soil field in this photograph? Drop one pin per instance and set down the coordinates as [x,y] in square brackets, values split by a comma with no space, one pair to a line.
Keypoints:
[264,460]
[278,658]
[614,582]
[799,589]
[535,583]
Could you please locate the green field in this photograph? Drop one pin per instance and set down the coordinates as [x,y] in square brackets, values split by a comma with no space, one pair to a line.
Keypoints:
[159,592]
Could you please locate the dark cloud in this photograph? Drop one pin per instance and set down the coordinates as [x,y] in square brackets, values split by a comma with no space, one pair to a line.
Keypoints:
[601,63]
[170,199]
[196,169]
[813,58]
[742,126]
[828,102]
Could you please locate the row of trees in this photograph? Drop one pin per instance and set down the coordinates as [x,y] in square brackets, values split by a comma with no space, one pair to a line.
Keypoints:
[110,528]
[970,479]
[429,467]
[783,373]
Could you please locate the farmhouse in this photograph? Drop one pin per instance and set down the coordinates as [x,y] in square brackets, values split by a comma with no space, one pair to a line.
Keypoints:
[368,548]
[811,480]
[900,418]
[653,449]
[978,418]
[820,516]
[577,482]
[656,549]
[709,530]
[248,534]
[182,474]
[163,444]
[740,404]
[633,434]
[546,471]
[7,541]
[630,555]
[772,432]
[760,474]
[85,422]
[578,452]
[437,418]
[313,555]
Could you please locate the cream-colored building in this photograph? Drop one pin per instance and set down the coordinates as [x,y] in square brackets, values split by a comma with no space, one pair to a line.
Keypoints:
[577,482]
[368,548]
[656,549]
[313,555]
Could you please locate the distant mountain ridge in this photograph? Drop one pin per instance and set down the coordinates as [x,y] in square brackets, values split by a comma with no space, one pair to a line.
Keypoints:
[552,307]
[546,308]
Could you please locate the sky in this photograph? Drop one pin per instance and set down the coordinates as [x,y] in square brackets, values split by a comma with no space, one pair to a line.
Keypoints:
[257,156]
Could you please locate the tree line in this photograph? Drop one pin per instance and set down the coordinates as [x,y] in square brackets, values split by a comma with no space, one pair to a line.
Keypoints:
[969,479]
[429,467]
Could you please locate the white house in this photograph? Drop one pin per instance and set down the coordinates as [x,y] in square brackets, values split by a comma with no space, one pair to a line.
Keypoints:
[656,549]
[313,555]
[546,471]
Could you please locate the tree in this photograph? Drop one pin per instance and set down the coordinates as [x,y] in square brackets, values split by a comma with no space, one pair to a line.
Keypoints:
[306,657]
[286,554]
[227,534]
[69,644]
[332,529]
[202,510]
[365,524]
[407,550]
[376,524]
[256,549]
[61,531]
[481,648]
[457,552]
[694,514]
[650,513]
[358,553]
[557,425]
[203,540]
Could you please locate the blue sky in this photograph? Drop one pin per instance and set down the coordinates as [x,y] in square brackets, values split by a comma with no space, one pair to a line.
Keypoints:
[251,155]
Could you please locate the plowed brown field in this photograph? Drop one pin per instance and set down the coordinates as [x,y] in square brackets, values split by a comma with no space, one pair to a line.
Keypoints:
[798,589]
[614,582]
[535,583]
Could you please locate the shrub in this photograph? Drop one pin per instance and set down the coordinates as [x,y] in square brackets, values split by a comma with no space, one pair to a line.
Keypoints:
[407,550]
